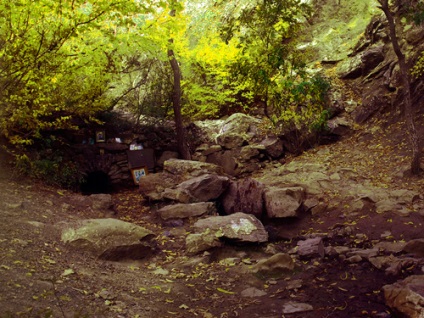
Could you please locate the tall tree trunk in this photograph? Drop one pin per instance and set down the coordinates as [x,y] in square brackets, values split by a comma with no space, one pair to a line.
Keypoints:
[409,113]
[176,101]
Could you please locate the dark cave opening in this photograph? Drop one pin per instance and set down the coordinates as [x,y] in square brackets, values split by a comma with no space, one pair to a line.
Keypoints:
[96,182]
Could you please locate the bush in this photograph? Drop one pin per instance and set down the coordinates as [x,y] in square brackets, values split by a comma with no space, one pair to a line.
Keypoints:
[53,171]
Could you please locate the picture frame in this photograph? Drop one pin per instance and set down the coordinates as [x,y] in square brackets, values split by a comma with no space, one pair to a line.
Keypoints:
[138,173]
[100,136]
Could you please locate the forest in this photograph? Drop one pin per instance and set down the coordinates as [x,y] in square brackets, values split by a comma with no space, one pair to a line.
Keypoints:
[64,62]
[287,180]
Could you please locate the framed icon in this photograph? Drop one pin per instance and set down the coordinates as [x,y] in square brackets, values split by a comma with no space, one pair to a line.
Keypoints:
[138,173]
[100,136]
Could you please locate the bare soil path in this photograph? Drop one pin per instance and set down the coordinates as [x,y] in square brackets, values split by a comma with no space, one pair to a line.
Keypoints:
[42,277]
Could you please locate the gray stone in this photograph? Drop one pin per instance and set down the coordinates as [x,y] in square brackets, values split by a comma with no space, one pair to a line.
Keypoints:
[231,140]
[406,296]
[313,247]
[188,168]
[101,201]
[226,160]
[415,247]
[249,152]
[280,262]
[273,147]
[292,307]
[253,292]
[245,196]
[238,226]
[239,123]
[205,188]
[106,237]
[200,242]
[180,211]
[283,202]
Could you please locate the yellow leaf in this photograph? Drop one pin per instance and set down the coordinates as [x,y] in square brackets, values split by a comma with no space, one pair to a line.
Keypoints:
[225,291]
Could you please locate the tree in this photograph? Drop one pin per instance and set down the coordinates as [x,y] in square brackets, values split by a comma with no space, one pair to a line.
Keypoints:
[56,62]
[403,68]
[176,97]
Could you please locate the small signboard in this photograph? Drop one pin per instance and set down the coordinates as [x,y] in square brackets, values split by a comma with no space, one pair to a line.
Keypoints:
[141,158]
[138,173]
[100,136]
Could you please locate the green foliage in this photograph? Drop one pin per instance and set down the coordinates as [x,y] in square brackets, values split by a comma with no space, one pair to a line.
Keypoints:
[301,102]
[418,69]
[52,169]
[57,60]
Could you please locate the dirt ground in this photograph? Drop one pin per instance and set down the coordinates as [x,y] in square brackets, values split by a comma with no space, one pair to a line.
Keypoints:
[42,277]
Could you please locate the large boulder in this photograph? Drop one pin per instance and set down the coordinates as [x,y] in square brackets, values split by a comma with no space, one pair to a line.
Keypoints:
[244,196]
[189,169]
[181,211]
[204,188]
[240,124]
[283,202]
[406,296]
[110,239]
[238,226]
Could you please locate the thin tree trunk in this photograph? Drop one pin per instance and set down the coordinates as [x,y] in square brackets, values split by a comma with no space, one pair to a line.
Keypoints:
[409,113]
[176,101]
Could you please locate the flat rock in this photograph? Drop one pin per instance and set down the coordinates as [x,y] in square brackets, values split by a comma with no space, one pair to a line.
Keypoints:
[181,211]
[102,236]
[406,296]
[276,263]
[205,187]
[192,168]
[199,242]
[238,226]
[253,292]
[292,307]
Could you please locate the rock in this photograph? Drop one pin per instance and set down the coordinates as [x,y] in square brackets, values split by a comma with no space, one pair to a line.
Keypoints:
[200,242]
[231,140]
[311,247]
[166,155]
[253,292]
[226,159]
[177,195]
[415,247]
[280,262]
[293,307]
[189,169]
[406,296]
[112,238]
[240,124]
[390,247]
[154,184]
[181,211]
[238,226]
[205,187]
[339,126]
[245,195]
[273,147]
[101,201]
[283,202]
[248,153]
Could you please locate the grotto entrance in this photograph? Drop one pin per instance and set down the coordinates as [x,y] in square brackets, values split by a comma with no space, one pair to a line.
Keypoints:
[96,182]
